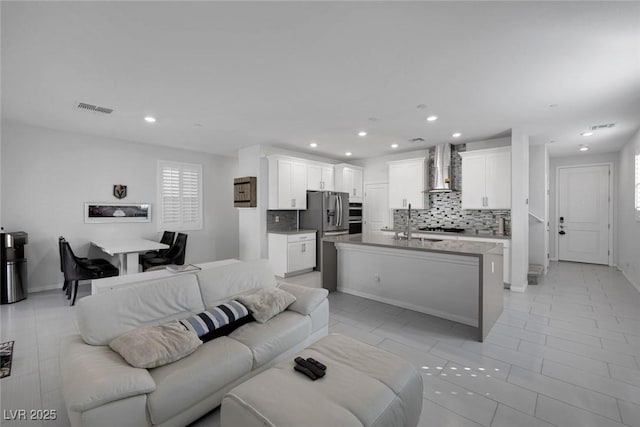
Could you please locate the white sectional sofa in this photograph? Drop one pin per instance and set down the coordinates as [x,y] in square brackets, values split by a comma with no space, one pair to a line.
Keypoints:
[101,389]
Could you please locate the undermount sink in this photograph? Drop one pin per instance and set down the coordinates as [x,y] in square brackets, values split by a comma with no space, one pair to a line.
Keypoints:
[431,240]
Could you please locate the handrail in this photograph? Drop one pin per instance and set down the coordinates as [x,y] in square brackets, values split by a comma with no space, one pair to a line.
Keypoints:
[536,217]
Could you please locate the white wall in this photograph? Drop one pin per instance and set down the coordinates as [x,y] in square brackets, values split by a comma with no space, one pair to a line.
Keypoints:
[628,252]
[47,176]
[538,204]
[579,159]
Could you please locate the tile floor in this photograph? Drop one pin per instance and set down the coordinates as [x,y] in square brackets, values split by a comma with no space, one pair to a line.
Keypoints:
[565,353]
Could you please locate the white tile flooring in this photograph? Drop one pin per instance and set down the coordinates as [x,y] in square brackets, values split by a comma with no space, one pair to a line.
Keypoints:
[565,353]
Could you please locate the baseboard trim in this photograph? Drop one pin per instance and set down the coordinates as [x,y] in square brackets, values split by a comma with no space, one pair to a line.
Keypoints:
[43,288]
[633,283]
[518,288]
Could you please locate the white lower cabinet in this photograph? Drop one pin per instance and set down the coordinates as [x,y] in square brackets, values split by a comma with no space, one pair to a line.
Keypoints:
[292,253]
[506,253]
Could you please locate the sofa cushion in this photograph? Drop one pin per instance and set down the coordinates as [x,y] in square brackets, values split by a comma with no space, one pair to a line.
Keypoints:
[268,340]
[218,321]
[94,375]
[153,346]
[186,382]
[307,299]
[267,302]
[220,284]
[103,317]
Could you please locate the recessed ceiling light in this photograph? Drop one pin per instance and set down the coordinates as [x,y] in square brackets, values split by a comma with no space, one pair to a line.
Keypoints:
[150,119]
[583,148]
[362,133]
[313,145]
[348,153]
[552,141]
[432,118]
[456,135]
[553,105]
[421,106]
[586,133]
[394,145]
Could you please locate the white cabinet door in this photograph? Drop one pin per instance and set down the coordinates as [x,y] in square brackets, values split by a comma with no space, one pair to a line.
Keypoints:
[498,180]
[347,182]
[287,184]
[473,182]
[356,193]
[314,177]
[284,185]
[397,198]
[407,184]
[486,179]
[299,185]
[327,178]
[301,255]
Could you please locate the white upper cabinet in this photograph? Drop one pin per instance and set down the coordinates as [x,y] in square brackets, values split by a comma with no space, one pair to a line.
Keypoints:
[486,179]
[348,179]
[319,177]
[287,183]
[407,179]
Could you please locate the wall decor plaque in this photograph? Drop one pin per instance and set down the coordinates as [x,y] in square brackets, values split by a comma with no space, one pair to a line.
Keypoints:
[116,212]
[119,191]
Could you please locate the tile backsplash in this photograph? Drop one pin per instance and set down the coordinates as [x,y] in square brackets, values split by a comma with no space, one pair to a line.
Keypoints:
[287,220]
[445,211]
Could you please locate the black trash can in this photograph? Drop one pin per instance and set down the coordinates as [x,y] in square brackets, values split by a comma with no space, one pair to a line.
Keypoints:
[13,267]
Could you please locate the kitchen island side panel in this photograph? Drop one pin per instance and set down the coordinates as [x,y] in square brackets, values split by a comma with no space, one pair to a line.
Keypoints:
[443,285]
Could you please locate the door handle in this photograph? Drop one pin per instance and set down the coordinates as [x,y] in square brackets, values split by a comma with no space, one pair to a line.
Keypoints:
[562,232]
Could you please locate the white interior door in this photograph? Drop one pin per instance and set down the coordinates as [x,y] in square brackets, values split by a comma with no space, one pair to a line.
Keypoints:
[376,207]
[583,214]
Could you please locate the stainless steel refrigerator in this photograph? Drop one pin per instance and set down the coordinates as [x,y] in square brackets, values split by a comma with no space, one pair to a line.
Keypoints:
[328,213]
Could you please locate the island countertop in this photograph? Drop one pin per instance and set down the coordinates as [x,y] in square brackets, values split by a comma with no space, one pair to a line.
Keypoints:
[457,247]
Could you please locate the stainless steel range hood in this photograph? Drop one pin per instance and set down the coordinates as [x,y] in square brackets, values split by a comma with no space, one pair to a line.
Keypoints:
[441,169]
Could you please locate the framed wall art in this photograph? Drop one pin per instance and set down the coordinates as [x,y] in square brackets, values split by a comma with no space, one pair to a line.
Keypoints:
[95,213]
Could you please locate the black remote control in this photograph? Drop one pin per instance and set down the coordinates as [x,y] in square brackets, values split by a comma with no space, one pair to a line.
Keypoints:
[316,363]
[305,371]
[310,366]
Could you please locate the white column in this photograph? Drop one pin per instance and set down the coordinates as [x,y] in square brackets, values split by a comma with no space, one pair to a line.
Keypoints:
[519,209]
[539,204]
[252,222]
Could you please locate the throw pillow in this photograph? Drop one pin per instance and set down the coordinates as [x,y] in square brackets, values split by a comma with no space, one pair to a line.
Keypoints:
[153,346]
[218,321]
[267,302]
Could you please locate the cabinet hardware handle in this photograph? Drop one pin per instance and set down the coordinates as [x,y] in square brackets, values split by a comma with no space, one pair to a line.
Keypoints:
[293,203]
[304,247]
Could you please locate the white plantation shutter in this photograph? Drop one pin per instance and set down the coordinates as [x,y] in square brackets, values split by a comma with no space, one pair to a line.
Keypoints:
[180,195]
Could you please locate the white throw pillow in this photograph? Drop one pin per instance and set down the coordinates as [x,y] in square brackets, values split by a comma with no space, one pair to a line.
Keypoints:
[267,302]
[153,346]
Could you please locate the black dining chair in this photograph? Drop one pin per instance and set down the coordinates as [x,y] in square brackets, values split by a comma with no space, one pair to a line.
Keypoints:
[175,254]
[95,261]
[167,239]
[75,269]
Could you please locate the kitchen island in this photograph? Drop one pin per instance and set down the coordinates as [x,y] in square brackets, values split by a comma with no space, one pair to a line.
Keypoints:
[452,279]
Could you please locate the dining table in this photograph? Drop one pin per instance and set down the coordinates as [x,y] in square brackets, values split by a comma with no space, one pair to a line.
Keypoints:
[128,251]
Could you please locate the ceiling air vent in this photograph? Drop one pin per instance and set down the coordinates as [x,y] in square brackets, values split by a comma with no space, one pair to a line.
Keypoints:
[416,140]
[605,126]
[94,108]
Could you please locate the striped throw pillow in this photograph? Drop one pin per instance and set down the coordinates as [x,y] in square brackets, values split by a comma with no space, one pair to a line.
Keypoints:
[217,321]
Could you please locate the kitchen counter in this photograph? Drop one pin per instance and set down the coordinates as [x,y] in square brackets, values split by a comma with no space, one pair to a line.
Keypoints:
[458,280]
[299,231]
[456,247]
[466,233]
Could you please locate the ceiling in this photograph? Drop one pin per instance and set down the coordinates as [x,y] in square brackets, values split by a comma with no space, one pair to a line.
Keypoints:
[219,76]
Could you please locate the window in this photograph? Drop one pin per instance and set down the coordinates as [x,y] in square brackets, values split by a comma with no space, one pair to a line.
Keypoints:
[179,196]
[637,182]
